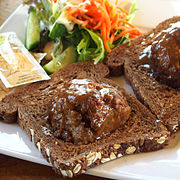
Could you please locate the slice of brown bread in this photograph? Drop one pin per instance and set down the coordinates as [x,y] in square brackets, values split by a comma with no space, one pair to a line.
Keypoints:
[142,132]
[162,100]
[8,105]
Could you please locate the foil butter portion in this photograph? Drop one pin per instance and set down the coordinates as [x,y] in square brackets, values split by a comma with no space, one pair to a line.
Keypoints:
[17,65]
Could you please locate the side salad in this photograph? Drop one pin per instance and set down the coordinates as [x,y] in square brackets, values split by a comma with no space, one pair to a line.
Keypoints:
[77,30]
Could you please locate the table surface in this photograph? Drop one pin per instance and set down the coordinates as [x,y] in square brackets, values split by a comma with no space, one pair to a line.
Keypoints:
[16,169]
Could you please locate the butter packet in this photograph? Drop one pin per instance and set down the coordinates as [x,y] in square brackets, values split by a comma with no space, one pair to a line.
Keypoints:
[17,65]
[5,91]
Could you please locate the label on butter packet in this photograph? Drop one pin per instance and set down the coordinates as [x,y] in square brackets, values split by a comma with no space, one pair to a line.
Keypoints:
[5,91]
[17,65]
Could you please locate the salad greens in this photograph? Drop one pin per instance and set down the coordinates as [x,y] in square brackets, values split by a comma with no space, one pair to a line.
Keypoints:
[91,47]
[87,43]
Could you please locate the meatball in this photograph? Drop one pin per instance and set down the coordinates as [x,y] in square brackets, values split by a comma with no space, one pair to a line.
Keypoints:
[84,111]
[161,59]
[165,58]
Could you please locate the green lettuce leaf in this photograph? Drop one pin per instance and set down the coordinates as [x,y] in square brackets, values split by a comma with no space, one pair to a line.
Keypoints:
[75,36]
[82,47]
[90,47]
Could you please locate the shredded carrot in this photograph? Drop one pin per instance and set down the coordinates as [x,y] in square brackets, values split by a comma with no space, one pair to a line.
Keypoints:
[112,37]
[104,17]
[132,32]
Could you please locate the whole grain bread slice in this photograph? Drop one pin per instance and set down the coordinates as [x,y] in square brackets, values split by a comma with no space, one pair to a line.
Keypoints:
[141,133]
[162,100]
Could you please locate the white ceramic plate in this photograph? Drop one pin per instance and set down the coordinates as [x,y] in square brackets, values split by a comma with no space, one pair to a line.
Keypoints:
[163,164]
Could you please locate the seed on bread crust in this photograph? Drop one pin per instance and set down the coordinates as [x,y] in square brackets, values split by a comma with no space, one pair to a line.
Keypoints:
[98,156]
[77,169]
[68,164]
[89,162]
[63,172]
[92,157]
[112,156]
[161,140]
[83,171]
[117,146]
[119,155]
[39,146]
[175,127]
[95,157]
[32,134]
[47,152]
[130,150]
[69,173]
[103,160]
[56,143]
[48,155]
